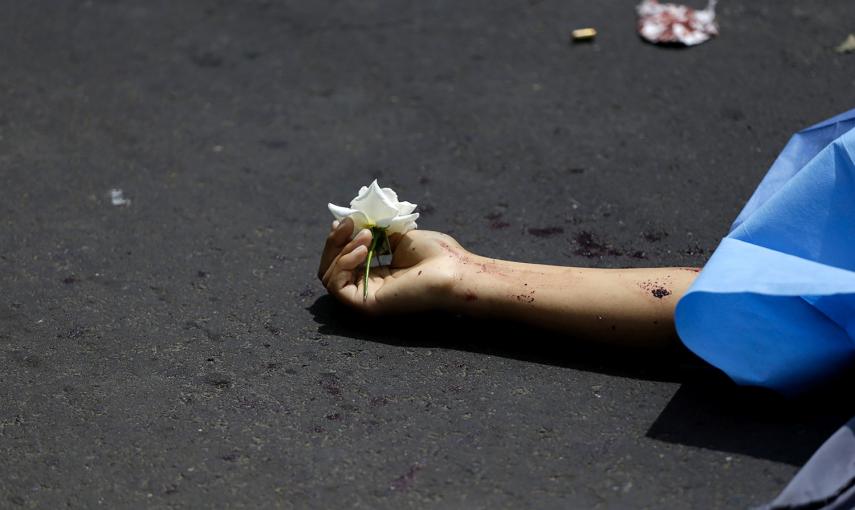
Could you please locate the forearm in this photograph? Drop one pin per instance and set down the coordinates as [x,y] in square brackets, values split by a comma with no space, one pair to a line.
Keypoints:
[629,306]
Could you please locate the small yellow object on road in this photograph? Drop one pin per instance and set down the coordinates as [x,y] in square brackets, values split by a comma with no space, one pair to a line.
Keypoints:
[583,34]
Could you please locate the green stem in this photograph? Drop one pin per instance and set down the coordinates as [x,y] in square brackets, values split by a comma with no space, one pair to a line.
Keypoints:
[388,245]
[376,233]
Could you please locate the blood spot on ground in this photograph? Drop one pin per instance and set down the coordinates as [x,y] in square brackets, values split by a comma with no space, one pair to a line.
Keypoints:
[589,246]
[654,236]
[406,480]
[546,231]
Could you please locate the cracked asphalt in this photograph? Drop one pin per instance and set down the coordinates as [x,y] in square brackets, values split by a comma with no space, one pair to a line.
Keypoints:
[177,351]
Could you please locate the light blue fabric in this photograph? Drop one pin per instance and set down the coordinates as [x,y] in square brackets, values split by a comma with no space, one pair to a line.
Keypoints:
[827,481]
[775,304]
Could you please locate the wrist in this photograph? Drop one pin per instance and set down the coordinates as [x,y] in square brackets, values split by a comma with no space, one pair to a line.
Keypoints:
[475,284]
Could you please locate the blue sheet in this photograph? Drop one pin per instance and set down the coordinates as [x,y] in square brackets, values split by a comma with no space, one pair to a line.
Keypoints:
[827,481]
[775,304]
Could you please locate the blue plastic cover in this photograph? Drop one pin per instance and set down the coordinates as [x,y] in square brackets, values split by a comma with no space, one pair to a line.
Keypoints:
[775,304]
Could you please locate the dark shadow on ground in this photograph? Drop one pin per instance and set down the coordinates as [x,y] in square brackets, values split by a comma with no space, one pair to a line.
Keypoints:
[716,414]
[505,339]
[708,411]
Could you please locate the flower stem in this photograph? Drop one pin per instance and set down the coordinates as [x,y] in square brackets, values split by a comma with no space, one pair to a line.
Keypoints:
[388,246]
[376,233]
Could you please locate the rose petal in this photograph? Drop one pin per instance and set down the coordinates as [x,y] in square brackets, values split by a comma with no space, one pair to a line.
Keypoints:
[409,226]
[375,203]
[385,222]
[406,207]
[390,193]
[402,224]
[340,212]
[360,221]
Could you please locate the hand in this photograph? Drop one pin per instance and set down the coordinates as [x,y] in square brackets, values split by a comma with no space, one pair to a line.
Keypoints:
[421,275]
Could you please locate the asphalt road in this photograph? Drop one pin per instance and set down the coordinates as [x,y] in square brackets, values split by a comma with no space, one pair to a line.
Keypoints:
[178,352]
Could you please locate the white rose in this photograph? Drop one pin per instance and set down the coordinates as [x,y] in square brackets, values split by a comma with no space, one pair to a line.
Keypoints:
[378,207]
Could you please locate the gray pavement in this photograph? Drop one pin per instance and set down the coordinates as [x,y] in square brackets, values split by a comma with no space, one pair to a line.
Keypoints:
[178,352]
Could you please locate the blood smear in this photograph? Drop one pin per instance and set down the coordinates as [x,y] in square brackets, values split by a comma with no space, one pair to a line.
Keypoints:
[676,24]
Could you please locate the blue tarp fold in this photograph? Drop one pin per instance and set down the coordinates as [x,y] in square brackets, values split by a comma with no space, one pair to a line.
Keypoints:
[775,304]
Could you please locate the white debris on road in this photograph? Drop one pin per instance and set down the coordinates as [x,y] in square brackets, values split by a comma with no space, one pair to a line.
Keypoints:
[117,197]
[848,45]
[676,24]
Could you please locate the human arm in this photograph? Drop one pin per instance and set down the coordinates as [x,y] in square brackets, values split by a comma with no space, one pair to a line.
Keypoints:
[432,271]
[622,306]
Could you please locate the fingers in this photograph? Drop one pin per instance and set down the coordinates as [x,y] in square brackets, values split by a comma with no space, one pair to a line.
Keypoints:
[338,237]
[342,276]
[363,238]
[353,259]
